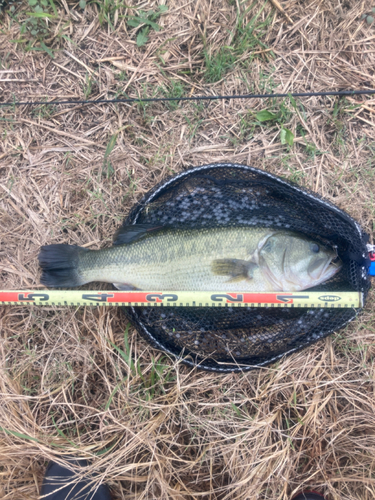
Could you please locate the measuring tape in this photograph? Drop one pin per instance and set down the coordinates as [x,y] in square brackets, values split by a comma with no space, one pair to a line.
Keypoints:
[180,299]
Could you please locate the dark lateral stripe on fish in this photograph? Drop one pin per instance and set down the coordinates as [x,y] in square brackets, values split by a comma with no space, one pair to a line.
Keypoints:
[59,265]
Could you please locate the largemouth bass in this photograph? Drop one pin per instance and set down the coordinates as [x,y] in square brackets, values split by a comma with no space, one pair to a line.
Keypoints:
[230,259]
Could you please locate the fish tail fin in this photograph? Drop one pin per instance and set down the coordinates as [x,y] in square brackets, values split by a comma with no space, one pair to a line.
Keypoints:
[59,265]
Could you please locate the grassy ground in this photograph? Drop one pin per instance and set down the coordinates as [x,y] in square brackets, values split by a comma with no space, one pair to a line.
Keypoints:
[70,174]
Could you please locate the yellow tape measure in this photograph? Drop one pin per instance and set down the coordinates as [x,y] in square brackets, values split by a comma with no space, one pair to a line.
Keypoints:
[181,299]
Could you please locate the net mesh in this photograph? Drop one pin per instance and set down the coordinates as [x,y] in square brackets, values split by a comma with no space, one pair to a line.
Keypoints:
[234,339]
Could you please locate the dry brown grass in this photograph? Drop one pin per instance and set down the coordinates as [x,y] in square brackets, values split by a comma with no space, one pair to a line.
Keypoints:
[162,430]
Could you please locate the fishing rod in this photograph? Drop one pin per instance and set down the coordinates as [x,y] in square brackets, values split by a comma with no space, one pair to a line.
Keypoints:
[218,299]
[192,98]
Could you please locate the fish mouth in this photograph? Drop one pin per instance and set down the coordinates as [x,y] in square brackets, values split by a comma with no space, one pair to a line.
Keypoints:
[332,267]
[325,269]
[317,268]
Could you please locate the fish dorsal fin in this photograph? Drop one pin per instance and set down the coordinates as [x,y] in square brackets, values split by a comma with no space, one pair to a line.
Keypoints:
[128,234]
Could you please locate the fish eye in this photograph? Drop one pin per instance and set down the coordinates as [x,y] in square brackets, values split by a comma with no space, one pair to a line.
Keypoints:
[314,247]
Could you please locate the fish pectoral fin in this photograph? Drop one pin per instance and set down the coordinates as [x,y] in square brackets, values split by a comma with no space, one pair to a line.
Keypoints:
[235,269]
[236,279]
[251,266]
[125,287]
[127,234]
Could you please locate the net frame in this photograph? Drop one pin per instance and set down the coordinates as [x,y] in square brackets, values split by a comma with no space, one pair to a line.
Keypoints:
[355,255]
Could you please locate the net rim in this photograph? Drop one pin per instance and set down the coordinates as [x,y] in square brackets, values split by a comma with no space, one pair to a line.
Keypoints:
[215,366]
[201,362]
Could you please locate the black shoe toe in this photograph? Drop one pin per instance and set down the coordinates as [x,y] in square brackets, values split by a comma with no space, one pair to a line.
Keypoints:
[309,495]
[58,485]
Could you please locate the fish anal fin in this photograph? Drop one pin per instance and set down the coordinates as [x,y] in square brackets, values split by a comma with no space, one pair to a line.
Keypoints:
[125,287]
[127,234]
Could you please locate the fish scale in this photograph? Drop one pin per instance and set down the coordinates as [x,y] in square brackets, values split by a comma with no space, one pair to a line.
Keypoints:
[173,260]
[230,258]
